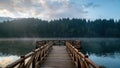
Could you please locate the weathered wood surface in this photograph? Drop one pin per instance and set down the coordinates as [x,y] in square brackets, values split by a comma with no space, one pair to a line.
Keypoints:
[58,58]
[68,56]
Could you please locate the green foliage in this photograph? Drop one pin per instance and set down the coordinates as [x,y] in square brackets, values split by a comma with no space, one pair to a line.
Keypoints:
[31,27]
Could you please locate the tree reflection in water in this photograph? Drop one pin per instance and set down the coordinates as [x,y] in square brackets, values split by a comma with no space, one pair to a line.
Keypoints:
[103,52]
[102,47]
[16,47]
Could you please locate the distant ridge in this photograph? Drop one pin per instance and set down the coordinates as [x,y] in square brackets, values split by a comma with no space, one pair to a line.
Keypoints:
[5,19]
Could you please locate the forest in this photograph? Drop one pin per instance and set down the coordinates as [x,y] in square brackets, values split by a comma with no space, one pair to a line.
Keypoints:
[34,27]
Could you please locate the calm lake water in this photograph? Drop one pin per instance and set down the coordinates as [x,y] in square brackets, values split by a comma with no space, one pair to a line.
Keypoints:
[103,51]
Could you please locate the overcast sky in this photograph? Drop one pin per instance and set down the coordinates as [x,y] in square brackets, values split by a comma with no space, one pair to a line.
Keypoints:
[54,9]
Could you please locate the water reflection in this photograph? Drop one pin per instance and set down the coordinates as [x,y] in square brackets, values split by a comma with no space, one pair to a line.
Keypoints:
[105,51]
[16,47]
[5,60]
[12,49]
[111,61]
[101,47]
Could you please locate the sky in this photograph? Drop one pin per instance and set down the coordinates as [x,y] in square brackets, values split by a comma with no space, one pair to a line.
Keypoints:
[55,9]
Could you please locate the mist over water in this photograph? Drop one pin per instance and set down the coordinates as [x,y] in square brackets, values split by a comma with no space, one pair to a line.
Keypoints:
[103,51]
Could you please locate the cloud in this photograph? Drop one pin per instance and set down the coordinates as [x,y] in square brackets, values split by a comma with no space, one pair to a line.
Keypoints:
[91,4]
[44,9]
[5,12]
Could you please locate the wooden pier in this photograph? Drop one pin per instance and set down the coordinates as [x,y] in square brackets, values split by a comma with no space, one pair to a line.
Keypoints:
[58,58]
[55,54]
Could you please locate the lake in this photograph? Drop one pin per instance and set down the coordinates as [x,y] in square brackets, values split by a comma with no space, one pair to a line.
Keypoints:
[103,51]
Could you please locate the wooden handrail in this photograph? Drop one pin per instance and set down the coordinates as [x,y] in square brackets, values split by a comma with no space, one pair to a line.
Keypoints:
[33,58]
[80,60]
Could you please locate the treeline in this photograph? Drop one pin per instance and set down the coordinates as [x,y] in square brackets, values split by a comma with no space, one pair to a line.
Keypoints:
[31,27]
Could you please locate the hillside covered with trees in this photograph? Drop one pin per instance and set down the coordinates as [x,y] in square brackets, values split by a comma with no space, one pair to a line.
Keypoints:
[31,27]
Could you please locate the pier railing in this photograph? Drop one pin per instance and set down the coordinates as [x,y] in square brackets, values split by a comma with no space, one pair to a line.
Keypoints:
[80,60]
[34,58]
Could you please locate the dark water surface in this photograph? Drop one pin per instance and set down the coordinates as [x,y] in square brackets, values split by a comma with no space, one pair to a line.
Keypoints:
[103,51]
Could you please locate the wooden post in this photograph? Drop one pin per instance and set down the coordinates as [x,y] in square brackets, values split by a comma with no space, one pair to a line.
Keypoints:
[33,63]
[86,56]
[37,43]
[78,45]
[22,64]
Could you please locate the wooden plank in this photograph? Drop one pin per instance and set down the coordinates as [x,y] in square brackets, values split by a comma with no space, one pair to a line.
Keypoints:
[58,58]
